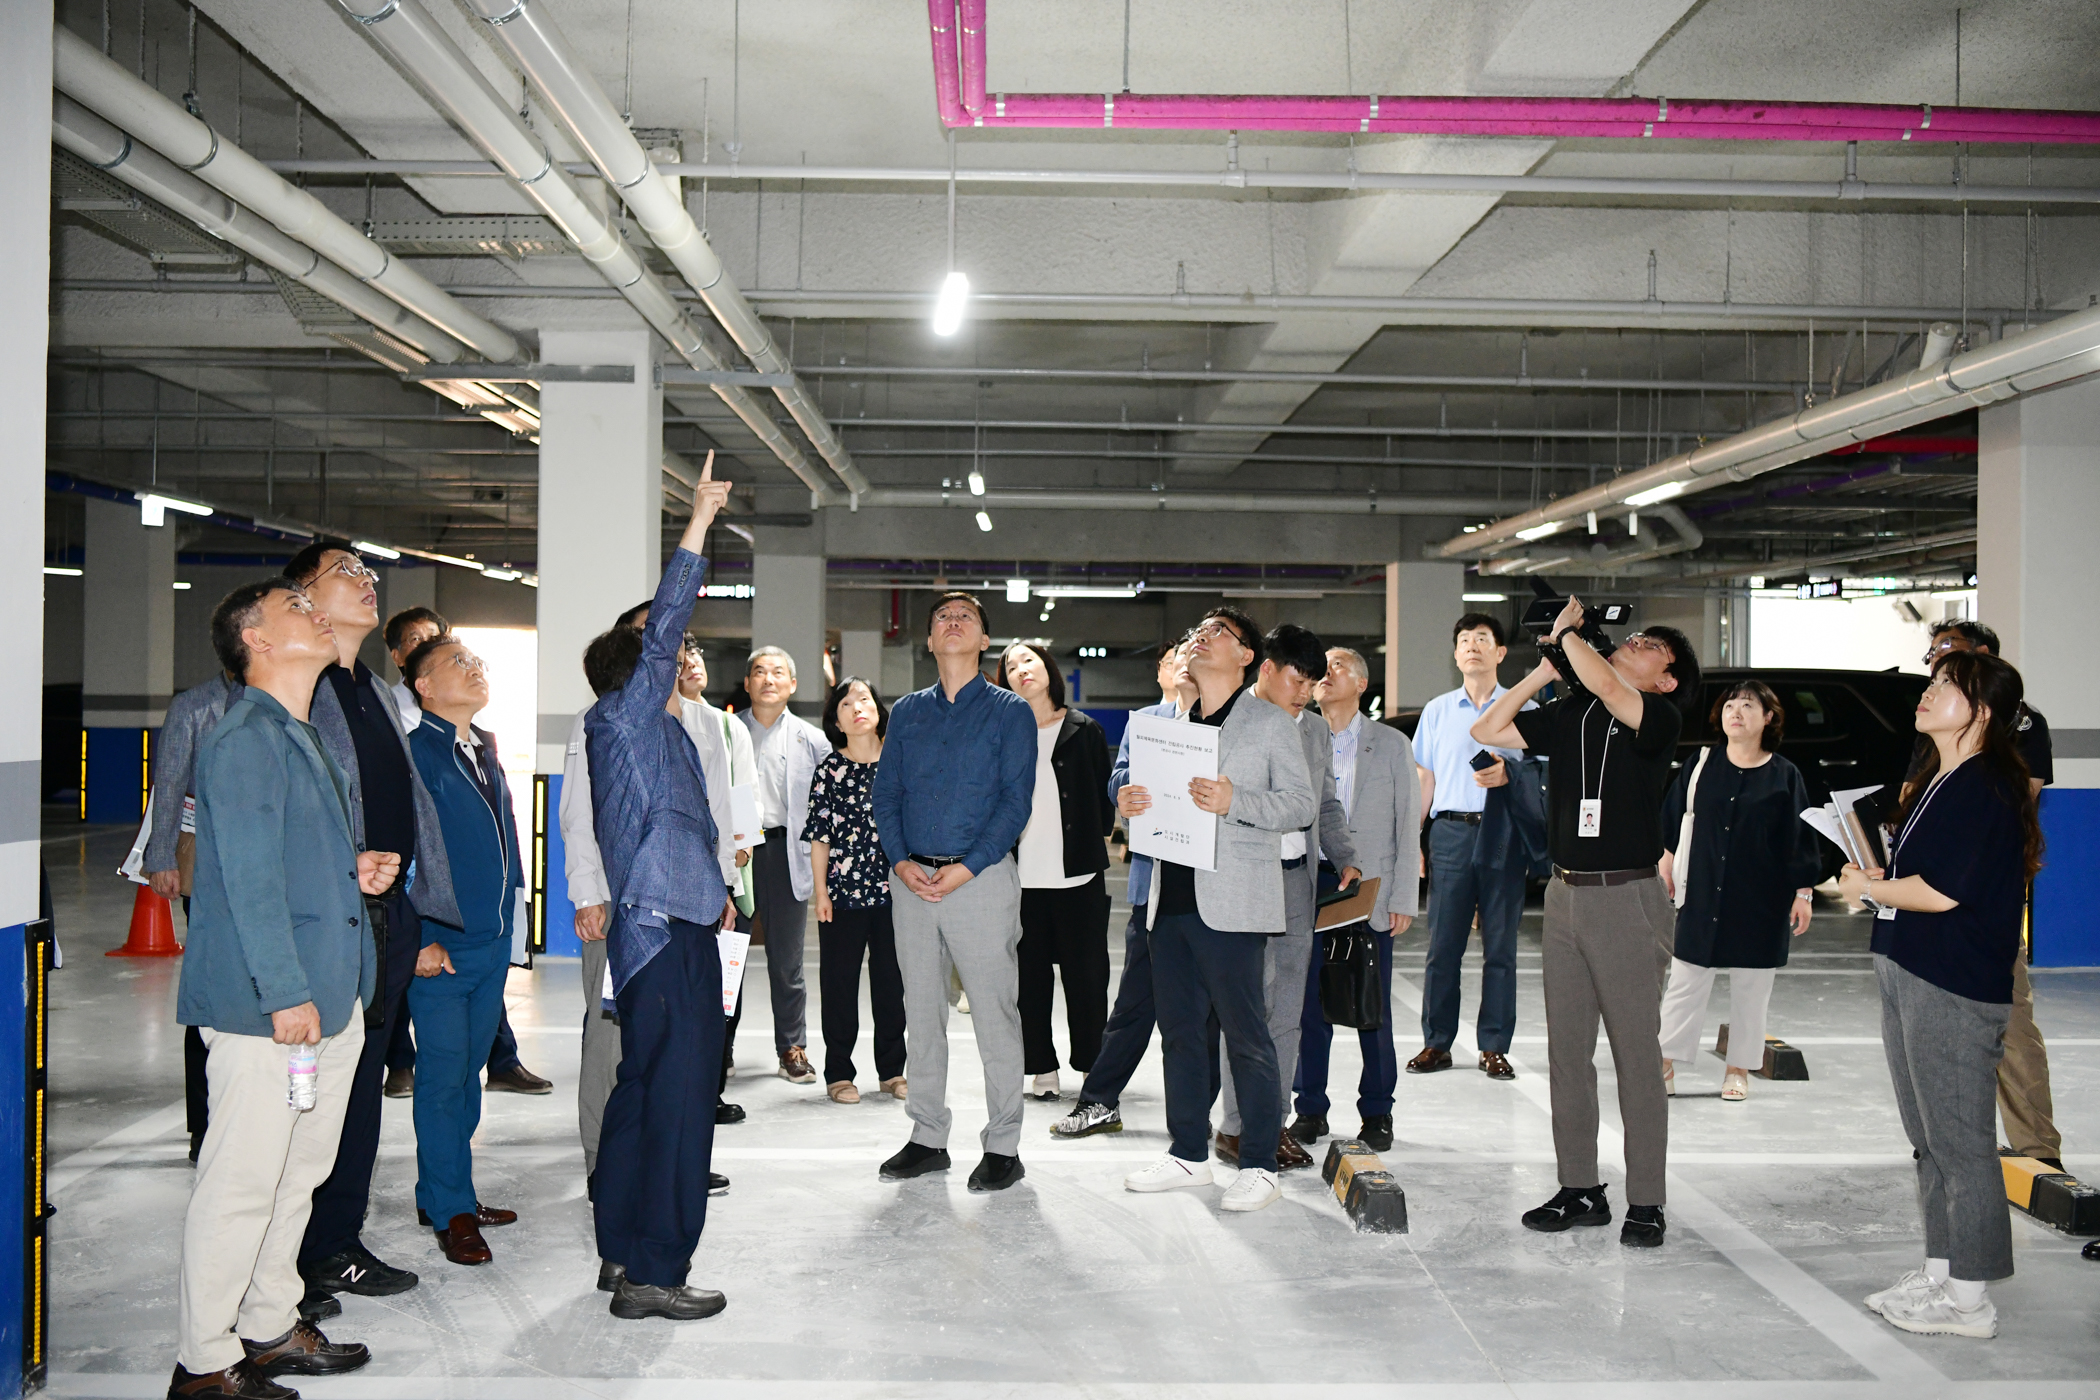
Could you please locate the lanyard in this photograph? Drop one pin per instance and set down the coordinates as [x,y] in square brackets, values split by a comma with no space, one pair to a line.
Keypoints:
[1603,760]
[1912,824]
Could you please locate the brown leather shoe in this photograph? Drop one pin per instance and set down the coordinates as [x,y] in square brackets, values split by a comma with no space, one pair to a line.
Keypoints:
[240,1381]
[1227,1148]
[519,1080]
[462,1242]
[303,1351]
[487,1217]
[1429,1061]
[1495,1066]
[795,1067]
[401,1083]
[1289,1155]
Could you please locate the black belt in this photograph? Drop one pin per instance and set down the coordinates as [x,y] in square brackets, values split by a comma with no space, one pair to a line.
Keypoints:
[769,830]
[1603,877]
[1469,818]
[1294,863]
[935,861]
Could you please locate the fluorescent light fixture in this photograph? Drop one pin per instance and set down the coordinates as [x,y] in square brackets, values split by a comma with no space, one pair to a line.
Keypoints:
[1272,593]
[367,547]
[181,587]
[1655,494]
[949,305]
[984,522]
[1545,564]
[1757,580]
[727,590]
[61,571]
[1081,590]
[1633,522]
[1483,597]
[502,575]
[1593,522]
[154,508]
[976,482]
[529,580]
[1539,532]
[452,559]
[1017,590]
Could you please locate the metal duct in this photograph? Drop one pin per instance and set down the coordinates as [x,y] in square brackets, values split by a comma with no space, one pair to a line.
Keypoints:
[413,40]
[94,140]
[81,71]
[1271,502]
[1599,560]
[528,33]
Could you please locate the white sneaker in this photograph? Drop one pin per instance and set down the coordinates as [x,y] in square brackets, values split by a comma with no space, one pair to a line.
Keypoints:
[1252,1189]
[1169,1173]
[962,1003]
[1935,1313]
[1045,1087]
[1912,1284]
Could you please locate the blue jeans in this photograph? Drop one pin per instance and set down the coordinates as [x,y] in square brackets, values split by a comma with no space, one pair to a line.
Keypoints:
[1459,884]
[503,1053]
[456,1015]
[1206,981]
[1381,1072]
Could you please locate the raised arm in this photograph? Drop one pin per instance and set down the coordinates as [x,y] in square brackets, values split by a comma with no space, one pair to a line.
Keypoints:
[1498,727]
[1597,675]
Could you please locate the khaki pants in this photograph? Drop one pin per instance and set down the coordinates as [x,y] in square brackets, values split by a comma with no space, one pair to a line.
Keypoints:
[256,1176]
[601,1054]
[2023,1078]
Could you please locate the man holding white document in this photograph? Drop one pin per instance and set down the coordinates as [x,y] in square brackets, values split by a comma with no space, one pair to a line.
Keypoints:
[1212,809]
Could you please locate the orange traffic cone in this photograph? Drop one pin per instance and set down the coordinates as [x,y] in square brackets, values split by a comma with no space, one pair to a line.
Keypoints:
[152,929]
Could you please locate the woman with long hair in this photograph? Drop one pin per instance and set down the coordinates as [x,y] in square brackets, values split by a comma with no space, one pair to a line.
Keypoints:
[1063,856]
[1946,931]
[850,894]
[1739,863]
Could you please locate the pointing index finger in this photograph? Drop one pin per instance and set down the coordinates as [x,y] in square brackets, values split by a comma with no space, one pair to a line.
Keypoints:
[707,468]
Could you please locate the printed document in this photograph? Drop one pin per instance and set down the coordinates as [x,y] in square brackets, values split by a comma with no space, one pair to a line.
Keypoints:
[1164,755]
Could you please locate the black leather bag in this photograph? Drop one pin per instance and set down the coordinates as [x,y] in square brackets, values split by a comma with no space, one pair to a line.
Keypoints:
[1349,990]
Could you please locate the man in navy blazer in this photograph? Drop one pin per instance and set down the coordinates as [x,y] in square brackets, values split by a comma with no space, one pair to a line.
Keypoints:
[657,836]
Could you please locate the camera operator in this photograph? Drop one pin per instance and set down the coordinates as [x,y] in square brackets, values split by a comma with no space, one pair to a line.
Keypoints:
[1608,919]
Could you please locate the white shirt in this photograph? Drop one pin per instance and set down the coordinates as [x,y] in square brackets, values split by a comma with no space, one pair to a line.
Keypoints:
[769,749]
[1294,841]
[581,861]
[1345,745]
[405,702]
[725,759]
[1042,856]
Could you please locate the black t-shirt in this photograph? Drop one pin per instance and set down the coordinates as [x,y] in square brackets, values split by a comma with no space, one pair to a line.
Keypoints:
[382,767]
[1965,840]
[1177,883]
[1590,754]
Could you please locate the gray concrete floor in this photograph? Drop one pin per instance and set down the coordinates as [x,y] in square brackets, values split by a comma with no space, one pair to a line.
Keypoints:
[1784,1211]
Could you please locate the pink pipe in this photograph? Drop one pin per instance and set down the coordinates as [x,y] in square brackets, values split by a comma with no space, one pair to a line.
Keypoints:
[940,18]
[973,57]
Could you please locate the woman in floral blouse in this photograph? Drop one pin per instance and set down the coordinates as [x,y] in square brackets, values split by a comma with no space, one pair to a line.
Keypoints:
[852,894]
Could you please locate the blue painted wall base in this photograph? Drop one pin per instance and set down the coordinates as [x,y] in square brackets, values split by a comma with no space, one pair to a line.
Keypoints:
[14,1081]
[2066,928]
[560,914]
[116,761]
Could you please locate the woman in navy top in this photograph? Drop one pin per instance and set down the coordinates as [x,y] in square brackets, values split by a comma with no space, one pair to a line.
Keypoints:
[1948,928]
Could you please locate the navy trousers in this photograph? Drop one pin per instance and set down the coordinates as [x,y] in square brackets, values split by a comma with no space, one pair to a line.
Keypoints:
[658,1137]
[1459,884]
[1128,1032]
[456,1014]
[1208,981]
[1381,1072]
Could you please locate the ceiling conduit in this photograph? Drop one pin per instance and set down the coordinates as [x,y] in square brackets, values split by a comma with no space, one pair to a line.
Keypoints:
[81,71]
[528,33]
[2063,350]
[1376,503]
[76,129]
[407,33]
[1598,559]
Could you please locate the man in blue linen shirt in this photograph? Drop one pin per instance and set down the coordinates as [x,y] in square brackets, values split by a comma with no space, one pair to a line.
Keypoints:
[955,787]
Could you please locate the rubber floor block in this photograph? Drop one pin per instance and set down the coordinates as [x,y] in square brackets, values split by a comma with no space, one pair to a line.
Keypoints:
[1369,1194]
[1782,1061]
[2052,1197]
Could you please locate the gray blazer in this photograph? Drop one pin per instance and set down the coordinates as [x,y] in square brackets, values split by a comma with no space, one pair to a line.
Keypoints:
[1385,818]
[431,890]
[1272,792]
[191,715]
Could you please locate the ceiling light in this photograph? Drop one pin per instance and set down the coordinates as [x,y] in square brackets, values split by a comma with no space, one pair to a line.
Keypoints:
[976,482]
[984,522]
[1081,590]
[502,575]
[61,571]
[367,547]
[448,559]
[181,587]
[1656,493]
[948,306]
[1017,590]
[1757,580]
[154,508]
[1544,564]
[1633,522]
[1539,532]
[1272,593]
[529,580]
[1593,522]
[1483,597]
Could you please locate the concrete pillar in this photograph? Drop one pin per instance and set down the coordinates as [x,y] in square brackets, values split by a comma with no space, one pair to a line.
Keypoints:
[128,659]
[2037,498]
[860,654]
[600,552]
[787,608]
[1421,602]
[402,588]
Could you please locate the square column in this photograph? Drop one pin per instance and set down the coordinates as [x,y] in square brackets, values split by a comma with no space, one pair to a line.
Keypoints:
[1421,603]
[788,608]
[128,657]
[2037,497]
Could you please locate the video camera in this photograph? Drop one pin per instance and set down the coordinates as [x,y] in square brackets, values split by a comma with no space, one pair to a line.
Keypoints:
[1539,618]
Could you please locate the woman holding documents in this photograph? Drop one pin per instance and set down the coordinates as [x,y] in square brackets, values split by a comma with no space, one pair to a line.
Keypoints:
[1738,862]
[1946,931]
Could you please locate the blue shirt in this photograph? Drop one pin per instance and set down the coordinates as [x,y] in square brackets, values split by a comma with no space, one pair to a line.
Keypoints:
[1119,776]
[957,778]
[1444,744]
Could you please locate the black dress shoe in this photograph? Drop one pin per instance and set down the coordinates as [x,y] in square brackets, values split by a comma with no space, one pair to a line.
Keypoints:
[682,1304]
[400,1083]
[610,1275]
[240,1381]
[913,1161]
[319,1303]
[1571,1206]
[2091,1250]
[996,1173]
[717,1184]
[358,1270]
[303,1351]
[1309,1128]
[1377,1133]
[487,1217]
[1644,1227]
[729,1113]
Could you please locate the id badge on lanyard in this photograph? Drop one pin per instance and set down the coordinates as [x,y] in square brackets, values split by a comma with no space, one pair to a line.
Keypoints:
[1589,820]
[1589,814]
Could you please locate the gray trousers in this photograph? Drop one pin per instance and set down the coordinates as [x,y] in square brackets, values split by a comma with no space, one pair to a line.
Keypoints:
[974,933]
[784,918]
[601,1054]
[1943,1054]
[1285,965]
[1607,951]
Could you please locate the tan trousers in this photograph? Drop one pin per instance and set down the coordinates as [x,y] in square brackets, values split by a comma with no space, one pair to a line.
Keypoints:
[601,1054]
[256,1176]
[2023,1078]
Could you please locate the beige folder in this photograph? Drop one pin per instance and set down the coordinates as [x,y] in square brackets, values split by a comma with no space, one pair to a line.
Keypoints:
[1352,910]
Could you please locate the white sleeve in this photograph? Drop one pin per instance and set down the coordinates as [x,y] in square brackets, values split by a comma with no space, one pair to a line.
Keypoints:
[581,862]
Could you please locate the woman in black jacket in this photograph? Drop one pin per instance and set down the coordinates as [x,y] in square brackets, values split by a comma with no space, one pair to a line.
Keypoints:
[1063,854]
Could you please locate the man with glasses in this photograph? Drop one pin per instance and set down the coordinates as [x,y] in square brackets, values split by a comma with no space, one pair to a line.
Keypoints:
[2024,1099]
[952,793]
[1609,928]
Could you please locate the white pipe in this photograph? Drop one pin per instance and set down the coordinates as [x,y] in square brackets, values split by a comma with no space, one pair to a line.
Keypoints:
[103,146]
[1229,502]
[538,46]
[1939,343]
[407,33]
[1599,560]
[2065,349]
[81,71]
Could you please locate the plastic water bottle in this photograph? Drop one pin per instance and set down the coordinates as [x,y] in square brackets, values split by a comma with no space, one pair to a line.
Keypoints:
[301,1093]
